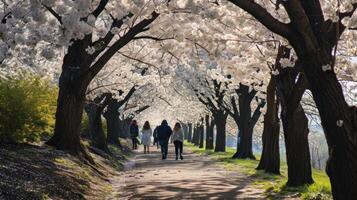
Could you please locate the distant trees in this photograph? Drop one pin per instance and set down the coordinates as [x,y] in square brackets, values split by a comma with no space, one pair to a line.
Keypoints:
[245,119]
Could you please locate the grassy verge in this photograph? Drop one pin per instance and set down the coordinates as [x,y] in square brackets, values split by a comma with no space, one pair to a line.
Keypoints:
[274,185]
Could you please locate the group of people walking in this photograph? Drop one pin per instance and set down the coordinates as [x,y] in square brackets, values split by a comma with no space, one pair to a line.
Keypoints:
[161,134]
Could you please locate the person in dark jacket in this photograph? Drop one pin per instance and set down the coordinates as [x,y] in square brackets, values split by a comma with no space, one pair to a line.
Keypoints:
[156,141]
[164,132]
[134,133]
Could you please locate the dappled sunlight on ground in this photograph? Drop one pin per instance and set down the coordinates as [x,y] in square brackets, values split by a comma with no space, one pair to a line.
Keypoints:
[195,177]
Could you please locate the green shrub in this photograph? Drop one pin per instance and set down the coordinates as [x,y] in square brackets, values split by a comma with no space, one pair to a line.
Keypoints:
[27,108]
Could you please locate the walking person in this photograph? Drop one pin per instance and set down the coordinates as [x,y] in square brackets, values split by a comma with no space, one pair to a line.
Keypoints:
[134,133]
[164,132]
[177,138]
[156,140]
[146,136]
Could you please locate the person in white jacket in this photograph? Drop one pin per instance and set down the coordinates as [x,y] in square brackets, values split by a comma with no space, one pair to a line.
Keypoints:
[146,136]
[177,138]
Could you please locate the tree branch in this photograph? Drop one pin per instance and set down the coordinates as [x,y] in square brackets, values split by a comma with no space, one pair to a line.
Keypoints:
[56,15]
[152,38]
[262,15]
[138,28]
[256,113]
[101,6]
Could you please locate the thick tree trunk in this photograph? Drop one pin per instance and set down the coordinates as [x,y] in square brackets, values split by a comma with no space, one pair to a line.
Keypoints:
[245,120]
[245,134]
[68,119]
[339,122]
[113,129]
[113,126]
[94,112]
[296,132]
[270,159]
[100,140]
[201,131]
[113,122]
[220,119]
[73,83]
[209,132]
[189,137]
[295,124]
[245,147]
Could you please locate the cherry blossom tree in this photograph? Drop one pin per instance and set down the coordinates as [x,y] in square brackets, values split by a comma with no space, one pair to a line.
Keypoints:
[314,32]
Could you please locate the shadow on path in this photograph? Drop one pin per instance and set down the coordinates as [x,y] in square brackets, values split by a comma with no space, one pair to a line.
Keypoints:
[195,177]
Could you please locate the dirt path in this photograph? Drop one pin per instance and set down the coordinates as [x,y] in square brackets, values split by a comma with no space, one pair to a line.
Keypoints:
[196,177]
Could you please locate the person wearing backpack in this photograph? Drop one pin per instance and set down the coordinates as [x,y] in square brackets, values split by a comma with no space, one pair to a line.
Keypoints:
[164,132]
[134,133]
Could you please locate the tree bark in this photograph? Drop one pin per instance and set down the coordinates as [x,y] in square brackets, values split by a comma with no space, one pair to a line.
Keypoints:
[201,131]
[295,124]
[194,134]
[296,132]
[197,139]
[209,132]
[124,127]
[270,159]
[245,147]
[68,119]
[94,111]
[73,83]
[113,125]
[189,137]
[341,166]
[185,130]
[245,120]
[220,119]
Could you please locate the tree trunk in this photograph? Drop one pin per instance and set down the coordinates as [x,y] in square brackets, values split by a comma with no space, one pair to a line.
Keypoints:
[295,124]
[209,132]
[270,159]
[339,122]
[94,112]
[189,137]
[124,127]
[100,140]
[245,148]
[193,134]
[68,119]
[245,134]
[201,131]
[73,83]
[196,138]
[113,125]
[220,119]
[113,129]
[296,132]
[185,130]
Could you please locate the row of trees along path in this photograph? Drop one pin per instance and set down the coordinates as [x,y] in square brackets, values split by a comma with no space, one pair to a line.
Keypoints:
[307,38]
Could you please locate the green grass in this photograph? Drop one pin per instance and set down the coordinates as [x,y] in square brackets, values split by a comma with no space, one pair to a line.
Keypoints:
[274,185]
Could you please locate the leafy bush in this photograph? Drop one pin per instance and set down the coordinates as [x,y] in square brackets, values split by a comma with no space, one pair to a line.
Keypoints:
[27,108]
